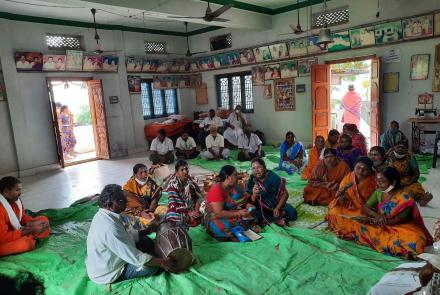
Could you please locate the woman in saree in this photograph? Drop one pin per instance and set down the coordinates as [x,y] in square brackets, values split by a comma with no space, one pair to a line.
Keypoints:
[347,152]
[393,224]
[377,155]
[325,179]
[291,154]
[357,138]
[269,194]
[227,206]
[401,159]
[354,191]
[313,157]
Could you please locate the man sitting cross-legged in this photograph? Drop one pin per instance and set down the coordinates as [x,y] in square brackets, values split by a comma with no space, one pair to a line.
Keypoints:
[215,145]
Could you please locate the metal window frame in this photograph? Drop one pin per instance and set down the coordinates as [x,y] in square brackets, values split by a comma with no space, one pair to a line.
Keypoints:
[230,90]
[316,15]
[164,43]
[79,37]
[151,101]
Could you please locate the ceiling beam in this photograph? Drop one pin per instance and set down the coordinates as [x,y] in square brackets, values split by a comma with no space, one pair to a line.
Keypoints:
[296,6]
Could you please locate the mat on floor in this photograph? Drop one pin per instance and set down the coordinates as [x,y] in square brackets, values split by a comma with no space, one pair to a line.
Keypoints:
[287,261]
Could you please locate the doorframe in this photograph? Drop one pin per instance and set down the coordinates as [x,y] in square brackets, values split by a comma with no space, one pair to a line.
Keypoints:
[57,133]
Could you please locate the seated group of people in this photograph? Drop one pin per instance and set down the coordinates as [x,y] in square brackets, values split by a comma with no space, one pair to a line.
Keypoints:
[372,200]
[237,134]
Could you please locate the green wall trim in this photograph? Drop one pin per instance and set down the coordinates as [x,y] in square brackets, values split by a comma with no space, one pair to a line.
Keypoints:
[61,22]
[265,10]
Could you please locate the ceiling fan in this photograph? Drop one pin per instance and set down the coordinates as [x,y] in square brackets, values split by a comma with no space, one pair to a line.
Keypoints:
[209,14]
[98,49]
[297,29]
[188,51]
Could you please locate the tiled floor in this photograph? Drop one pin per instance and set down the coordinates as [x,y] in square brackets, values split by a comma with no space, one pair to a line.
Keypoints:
[60,188]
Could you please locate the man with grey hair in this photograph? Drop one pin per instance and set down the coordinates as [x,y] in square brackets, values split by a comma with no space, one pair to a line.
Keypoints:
[114,254]
[215,146]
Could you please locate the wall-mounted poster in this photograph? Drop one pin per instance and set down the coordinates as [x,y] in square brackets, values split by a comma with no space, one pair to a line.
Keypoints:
[388,32]
[272,72]
[305,65]
[54,62]
[206,63]
[258,75]
[267,91]
[196,80]
[134,84]
[417,27]
[92,63]
[262,54]
[184,81]
[232,57]
[194,65]
[184,66]
[218,61]
[149,66]
[391,82]
[164,66]
[419,67]
[29,61]
[284,90]
[165,82]
[110,63]
[174,66]
[134,64]
[74,60]
[246,56]
[362,37]
[436,78]
[278,51]
[289,69]
[437,24]
[298,47]
[341,41]
[313,46]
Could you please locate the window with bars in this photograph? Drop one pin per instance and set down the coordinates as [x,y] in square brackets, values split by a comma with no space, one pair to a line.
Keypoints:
[157,103]
[221,42]
[155,47]
[235,89]
[330,18]
[63,41]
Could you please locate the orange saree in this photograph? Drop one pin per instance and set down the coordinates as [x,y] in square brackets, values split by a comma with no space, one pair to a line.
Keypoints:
[324,183]
[312,161]
[358,194]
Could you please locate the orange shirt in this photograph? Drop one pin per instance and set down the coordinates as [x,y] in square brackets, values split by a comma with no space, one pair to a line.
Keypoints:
[312,161]
[7,232]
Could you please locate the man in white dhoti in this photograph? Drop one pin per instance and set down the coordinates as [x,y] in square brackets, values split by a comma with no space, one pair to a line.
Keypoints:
[234,124]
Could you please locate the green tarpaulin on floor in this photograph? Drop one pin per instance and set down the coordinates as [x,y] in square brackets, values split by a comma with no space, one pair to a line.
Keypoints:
[292,261]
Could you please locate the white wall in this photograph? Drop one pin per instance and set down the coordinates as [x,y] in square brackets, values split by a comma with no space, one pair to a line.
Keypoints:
[394,106]
[28,102]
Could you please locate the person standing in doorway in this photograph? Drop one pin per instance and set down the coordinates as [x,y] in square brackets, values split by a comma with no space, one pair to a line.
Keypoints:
[351,102]
[68,140]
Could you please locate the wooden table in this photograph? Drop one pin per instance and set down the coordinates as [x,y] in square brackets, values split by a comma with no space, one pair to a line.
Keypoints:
[417,130]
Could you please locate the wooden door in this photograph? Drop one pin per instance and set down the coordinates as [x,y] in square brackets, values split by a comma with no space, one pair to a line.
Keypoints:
[375,106]
[55,125]
[99,120]
[321,110]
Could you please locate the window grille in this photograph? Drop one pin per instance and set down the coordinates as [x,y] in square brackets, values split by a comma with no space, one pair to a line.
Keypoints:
[157,103]
[155,47]
[332,17]
[63,41]
[235,89]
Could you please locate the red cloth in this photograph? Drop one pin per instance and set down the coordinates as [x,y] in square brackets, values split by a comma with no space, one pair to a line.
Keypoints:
[216,194]
[352,108]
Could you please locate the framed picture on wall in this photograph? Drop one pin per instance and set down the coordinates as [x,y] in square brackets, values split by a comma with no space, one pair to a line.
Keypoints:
[419,67]
[437,24]
[305,65]
[298,47]
[272,72]
[267,91]
[134,84]
[246,56]
[417,27]
[28,61]
[284,98]
[262,54]
[362,37]
[74,60]
[391,82]
[289,69]
[134,64]
[92,63]
[184,81]
[110,63]
[54,62]
[388,32]
[196,80]
[278,51]
[149,66]
[258,75]
[341,41]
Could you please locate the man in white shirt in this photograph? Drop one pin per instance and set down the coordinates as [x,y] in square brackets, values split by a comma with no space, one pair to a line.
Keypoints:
[250,145]
[114,254]
[211,120]
[161,149]
[234,124]
[186,147]
[215,145]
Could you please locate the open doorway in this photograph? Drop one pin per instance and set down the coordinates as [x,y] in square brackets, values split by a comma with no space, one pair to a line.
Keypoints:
[79,120]
[350,95]
[74,120]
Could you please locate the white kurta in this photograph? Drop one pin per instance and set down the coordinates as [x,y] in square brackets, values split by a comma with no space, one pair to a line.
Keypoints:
[162,148]
[249,144]
[230,134]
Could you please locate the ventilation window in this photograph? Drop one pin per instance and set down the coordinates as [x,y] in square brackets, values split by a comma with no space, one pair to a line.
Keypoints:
[154,47]
[221,42]
[332,17]
[63,42]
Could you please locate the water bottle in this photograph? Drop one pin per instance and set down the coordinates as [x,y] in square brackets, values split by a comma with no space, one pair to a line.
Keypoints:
[238,233]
